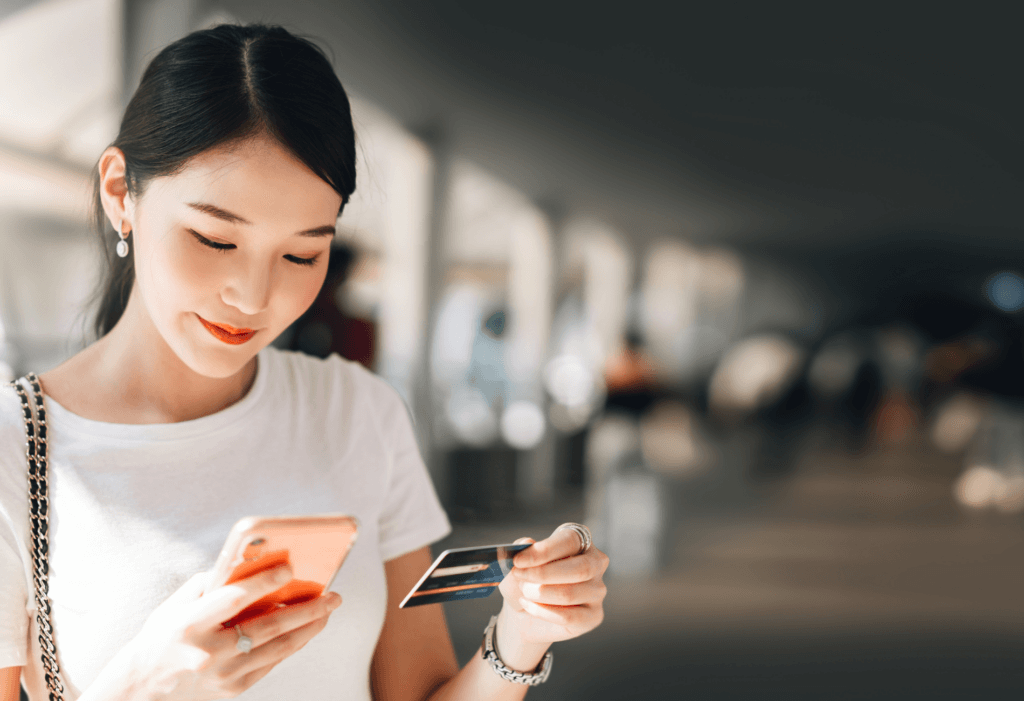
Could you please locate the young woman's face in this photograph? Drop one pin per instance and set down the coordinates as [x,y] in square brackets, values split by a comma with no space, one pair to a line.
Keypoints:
[230,251]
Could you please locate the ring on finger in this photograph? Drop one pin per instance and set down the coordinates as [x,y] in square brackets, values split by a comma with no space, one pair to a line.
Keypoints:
[244,643]
[586,540]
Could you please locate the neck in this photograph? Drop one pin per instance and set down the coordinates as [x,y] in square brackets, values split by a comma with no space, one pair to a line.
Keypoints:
[132,376]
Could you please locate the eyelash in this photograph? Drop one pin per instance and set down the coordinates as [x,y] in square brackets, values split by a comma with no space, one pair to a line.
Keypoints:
[225,247]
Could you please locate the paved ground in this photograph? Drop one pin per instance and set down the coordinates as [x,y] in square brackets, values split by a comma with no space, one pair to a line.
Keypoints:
[857,578]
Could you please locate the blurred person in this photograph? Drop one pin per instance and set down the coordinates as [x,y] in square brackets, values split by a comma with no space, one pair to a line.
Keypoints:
[635,520]
[626,501]
[897,418]
[630,376]
[974,385]
[482,469]
[956,413]
[631,388]
[487,363]
[759,387]
[613,438]
[845,382]
[988,359]
[234,159]
[974,348]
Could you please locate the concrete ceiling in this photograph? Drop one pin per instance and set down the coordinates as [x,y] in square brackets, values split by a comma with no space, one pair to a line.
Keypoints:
[745,124]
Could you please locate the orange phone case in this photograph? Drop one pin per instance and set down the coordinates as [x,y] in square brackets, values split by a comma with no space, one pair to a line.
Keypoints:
[315,546]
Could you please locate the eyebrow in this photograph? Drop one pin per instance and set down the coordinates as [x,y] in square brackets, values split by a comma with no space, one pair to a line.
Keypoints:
[230,217]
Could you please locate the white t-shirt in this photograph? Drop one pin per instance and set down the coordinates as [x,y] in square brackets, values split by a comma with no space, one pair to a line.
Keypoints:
[137,509]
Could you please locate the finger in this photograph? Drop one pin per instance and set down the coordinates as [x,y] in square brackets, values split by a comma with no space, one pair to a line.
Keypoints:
[284,620]
[254,676]
[521,541]
[225,602]
[570,570]
[589,592]
[559,615]
[273,651]
[560,544]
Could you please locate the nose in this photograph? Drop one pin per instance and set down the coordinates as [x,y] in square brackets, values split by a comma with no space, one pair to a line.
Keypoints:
[248,289]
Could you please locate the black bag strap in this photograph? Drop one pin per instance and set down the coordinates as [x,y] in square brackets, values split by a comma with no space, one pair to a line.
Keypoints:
[39,521]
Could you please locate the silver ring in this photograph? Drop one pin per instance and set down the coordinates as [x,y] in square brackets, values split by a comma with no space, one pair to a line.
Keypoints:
[586,540]
[244,643]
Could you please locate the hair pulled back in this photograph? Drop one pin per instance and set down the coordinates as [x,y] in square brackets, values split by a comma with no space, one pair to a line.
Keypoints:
[216,87]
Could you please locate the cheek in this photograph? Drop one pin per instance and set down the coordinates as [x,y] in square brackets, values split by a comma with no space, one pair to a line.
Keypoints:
[299,291]
[173,276]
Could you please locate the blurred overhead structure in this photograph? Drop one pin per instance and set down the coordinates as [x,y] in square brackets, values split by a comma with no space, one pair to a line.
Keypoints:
[793,133]
[746,123]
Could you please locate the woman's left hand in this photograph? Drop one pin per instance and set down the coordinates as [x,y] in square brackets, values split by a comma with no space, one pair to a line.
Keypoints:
[553,593]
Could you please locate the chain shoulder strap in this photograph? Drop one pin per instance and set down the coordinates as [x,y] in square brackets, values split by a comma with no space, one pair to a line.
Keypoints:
[39,505]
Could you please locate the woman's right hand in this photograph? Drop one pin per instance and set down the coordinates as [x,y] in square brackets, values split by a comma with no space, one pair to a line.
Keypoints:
[184,652]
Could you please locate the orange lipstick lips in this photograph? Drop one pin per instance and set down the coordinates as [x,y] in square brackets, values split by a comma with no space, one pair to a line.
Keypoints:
[228,334]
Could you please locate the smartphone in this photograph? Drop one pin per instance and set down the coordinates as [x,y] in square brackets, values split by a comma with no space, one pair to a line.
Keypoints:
[315,546]
[463,573]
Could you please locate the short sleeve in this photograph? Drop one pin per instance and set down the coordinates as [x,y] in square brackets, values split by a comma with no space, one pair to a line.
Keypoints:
[13,599]
[412,516]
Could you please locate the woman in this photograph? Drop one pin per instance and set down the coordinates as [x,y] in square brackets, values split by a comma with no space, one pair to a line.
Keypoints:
[234,159]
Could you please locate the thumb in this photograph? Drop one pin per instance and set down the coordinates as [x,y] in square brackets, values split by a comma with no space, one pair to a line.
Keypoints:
[520,541]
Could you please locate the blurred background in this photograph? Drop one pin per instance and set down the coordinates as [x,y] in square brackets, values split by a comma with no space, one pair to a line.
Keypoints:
[739,286]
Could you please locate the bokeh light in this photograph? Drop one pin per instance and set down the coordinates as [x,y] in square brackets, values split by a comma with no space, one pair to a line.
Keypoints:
[569,381]
[471,418]
[956,422]
[522,425]
[978,486]
[753,373]
[1006,291]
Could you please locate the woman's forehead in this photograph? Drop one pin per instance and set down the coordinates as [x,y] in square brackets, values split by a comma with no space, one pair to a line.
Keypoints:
[257,180]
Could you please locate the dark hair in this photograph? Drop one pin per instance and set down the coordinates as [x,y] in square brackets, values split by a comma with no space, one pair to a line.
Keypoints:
[216,87]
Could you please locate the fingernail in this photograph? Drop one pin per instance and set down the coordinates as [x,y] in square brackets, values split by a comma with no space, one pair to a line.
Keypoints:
[334,601]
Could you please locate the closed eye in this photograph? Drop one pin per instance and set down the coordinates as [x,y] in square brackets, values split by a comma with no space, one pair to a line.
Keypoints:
[212,244]
[298,260]
[302,261]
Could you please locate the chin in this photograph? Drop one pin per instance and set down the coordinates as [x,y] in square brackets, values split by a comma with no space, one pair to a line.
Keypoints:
[219,363]
[208,356]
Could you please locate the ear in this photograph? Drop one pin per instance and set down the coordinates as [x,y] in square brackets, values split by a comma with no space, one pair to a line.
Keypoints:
[117,201]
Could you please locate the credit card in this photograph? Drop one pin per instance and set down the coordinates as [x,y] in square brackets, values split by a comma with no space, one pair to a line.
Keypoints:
[463,573]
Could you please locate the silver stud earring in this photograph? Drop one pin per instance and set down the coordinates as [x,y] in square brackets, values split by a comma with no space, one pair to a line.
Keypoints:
[122,245]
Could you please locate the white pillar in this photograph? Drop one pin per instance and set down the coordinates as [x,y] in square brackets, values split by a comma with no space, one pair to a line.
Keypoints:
[435,266]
